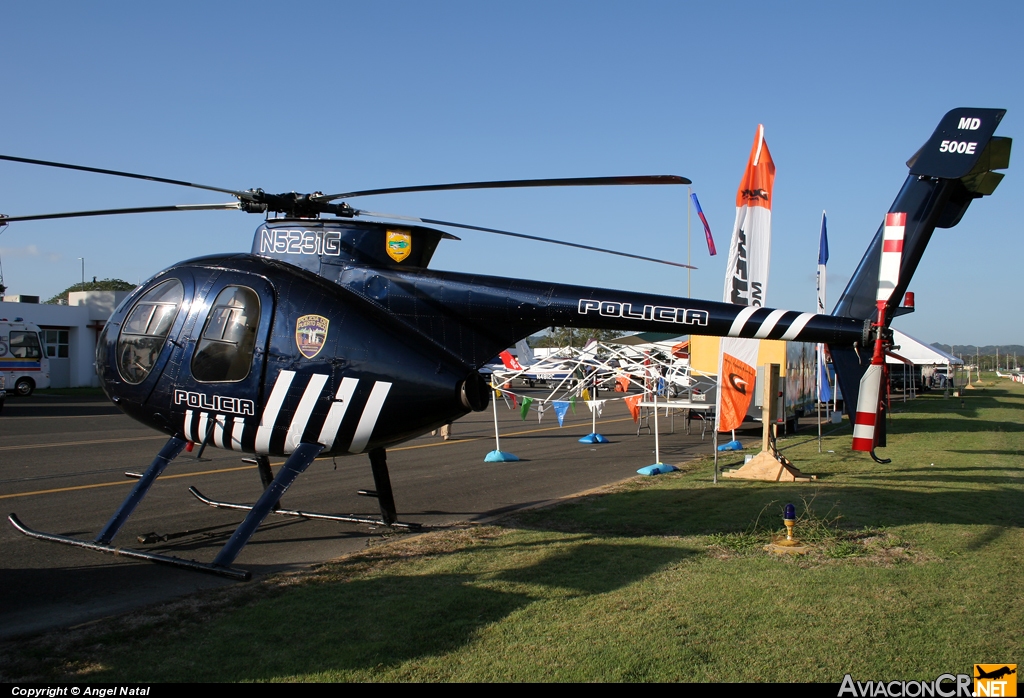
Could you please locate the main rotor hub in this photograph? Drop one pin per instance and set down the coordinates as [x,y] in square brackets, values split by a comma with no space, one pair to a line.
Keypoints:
[293,204]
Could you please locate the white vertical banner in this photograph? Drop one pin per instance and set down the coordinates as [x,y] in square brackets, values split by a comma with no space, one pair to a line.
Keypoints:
[824,386]
[746,276]
[746,281]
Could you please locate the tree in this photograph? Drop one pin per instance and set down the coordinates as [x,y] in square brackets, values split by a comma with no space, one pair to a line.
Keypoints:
[573,337]
[94,285]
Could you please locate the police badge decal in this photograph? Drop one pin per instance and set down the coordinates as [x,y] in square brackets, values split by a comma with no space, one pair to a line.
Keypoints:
[311,334]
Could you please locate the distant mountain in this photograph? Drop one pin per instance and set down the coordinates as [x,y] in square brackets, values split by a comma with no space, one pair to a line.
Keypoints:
[987,350]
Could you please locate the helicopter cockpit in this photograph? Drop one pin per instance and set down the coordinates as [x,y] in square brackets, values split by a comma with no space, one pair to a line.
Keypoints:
[145,331]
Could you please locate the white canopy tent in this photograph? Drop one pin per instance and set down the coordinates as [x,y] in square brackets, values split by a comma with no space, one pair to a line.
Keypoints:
[922,357]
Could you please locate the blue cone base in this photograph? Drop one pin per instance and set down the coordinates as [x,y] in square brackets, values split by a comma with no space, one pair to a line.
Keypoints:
[731,446]
[593,439]
[500,457]
[657,469]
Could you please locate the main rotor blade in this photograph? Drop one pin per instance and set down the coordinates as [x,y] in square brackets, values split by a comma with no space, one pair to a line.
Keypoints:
[232,205]
[431,221]
[518,183]
[116,173]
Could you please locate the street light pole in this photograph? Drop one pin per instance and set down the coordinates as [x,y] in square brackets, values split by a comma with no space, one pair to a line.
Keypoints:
[83,272]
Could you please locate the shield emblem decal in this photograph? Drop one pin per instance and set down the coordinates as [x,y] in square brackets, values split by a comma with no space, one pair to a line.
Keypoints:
[311,334]
[399,244]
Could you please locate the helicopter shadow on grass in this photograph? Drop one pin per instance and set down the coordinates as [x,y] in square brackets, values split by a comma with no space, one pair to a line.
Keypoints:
[987,452]
[385,621]
[43,598]
[928,478]
[913,425]
[734,506]
[379,623]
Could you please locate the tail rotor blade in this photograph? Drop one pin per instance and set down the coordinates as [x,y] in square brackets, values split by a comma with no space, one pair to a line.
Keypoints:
[868,421]
[866,417]
[892,255]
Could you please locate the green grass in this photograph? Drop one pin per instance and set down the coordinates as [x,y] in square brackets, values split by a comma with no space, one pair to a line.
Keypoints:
[916,572]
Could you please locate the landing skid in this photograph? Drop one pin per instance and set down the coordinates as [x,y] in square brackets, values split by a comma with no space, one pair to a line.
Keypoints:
[230,572]
[274,487]
[297,462]
[302,514]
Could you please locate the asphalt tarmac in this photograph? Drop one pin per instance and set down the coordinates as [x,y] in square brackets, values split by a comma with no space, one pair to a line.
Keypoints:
[62,465]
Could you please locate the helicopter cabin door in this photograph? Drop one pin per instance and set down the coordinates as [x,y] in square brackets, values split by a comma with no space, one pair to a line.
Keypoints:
[216,394]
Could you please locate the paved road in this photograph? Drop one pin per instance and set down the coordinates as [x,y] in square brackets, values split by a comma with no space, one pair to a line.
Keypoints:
[62,464]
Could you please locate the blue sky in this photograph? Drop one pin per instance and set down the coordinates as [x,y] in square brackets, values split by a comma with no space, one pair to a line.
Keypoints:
[340,96]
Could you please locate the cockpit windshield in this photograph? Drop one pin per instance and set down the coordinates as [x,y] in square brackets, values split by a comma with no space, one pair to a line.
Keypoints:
[145,331]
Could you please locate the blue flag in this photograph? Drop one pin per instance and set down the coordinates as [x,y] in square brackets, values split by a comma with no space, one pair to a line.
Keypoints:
[823,243]
[824,387]
[707,228]
[822,261]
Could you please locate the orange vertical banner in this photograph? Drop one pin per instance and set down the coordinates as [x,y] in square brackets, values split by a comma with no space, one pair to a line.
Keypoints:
[746,282]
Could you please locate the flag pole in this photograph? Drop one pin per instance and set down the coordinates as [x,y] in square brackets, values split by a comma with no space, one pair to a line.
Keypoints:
[494,405]
[819,356]
[497,455]
[817,350]
[714,446]
[689,196]
[657,445]
[817,381]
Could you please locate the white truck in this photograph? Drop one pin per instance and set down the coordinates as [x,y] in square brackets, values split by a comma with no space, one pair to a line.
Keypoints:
[23,362]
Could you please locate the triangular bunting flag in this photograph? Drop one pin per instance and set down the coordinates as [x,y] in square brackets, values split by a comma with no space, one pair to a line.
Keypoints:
[526,407]
[633,403]
[560,409]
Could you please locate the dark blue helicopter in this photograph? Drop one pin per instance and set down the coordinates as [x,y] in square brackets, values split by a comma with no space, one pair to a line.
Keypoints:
[332,336]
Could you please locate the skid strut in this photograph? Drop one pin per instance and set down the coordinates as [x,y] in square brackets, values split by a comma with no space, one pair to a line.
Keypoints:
[262,463]
[296,464]
[382,481]
[102,544]
[168,453]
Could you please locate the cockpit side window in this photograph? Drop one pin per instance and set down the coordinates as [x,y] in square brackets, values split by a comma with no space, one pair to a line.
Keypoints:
[225,349]
[145,331]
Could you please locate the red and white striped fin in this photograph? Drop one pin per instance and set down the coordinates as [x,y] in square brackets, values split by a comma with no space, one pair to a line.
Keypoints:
[892,253]
[866,419]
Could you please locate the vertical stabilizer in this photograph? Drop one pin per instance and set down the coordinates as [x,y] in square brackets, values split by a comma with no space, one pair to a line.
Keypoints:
[953,168]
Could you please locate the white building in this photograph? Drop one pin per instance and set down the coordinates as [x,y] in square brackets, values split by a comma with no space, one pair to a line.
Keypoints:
[69,332]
